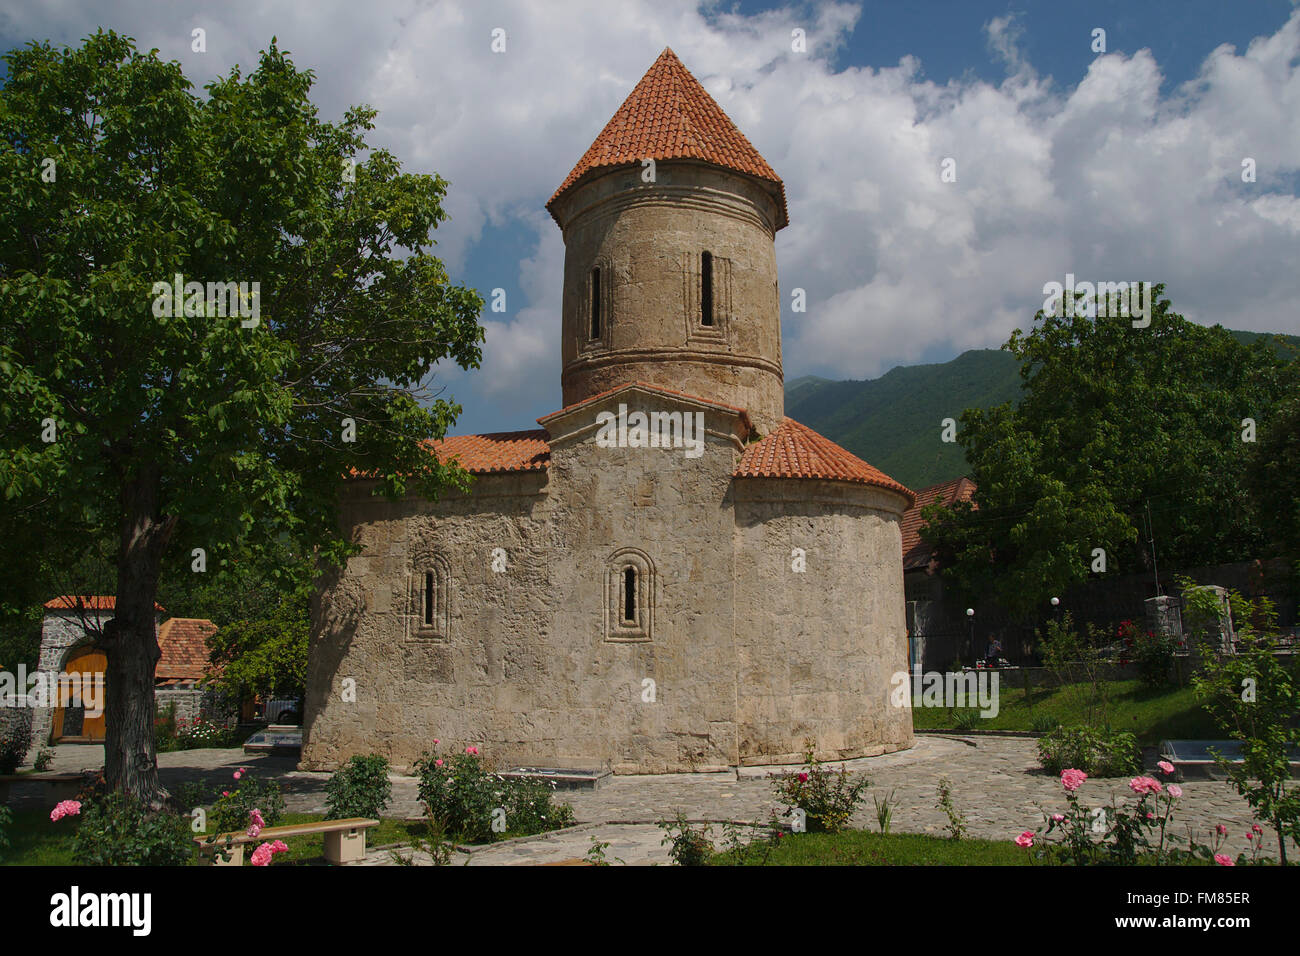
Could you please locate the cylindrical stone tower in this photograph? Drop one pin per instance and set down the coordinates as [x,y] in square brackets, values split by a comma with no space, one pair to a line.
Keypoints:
[669,222]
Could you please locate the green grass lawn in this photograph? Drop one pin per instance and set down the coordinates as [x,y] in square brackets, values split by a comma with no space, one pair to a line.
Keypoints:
[1151,715]
[863,848]
[35,841]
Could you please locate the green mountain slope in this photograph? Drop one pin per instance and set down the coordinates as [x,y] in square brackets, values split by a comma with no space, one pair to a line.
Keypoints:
[894,421]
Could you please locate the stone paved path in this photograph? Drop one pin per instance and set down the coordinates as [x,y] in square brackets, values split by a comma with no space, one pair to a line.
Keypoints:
[996,783]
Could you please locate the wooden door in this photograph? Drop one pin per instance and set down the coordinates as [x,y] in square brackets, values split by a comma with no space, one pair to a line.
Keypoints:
[71,720]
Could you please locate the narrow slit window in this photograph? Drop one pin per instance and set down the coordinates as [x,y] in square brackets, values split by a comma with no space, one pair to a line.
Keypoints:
[428,599]
[629,594]
[595,303]
[706,289]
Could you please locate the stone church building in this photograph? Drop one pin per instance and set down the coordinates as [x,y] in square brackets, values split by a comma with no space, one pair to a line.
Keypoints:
[669,574]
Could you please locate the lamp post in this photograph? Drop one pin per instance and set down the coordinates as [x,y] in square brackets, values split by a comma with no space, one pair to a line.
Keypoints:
[970,613]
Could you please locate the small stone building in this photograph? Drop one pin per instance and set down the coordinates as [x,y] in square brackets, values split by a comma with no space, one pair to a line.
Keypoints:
[183,642]
[669,574]
[72,625]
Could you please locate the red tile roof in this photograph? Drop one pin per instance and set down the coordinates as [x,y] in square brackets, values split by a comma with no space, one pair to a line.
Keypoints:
[184,645]
[916,553]
[650,388]
[668,115]
[796,451]
[90,602]
[498,452]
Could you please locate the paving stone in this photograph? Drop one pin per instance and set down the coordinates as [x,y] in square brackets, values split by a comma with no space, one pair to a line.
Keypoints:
[996,782]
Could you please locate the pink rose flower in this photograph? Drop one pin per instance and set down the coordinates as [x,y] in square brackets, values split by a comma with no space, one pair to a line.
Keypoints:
[803,778]
[438,762]
[1058,817]
[436,741]
[1072,779]
[471,750]
[255,815]
[1025,839]
[1256,828]
[1175,791]
[254,831]
[1166,766]
[65,808]
[1221,830]
[262,855]
[1223,859]
[1144,785]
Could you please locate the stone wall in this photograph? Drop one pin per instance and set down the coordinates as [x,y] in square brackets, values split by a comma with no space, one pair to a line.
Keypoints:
[729,661]
[61,631]
[194,702]
[817,648]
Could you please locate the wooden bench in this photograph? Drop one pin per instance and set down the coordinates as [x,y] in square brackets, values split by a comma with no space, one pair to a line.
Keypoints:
[62,786]
[345,840]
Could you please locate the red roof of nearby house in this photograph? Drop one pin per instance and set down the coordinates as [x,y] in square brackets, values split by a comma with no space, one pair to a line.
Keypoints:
[916,553]
[497,452]
[90,602]
[669,115]
[184,645]
[796,451]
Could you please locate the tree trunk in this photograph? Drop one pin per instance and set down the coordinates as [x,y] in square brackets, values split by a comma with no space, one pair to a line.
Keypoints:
[130,642]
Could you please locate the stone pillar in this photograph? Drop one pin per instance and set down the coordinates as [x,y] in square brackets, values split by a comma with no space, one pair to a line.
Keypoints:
[1219,633]
[1164,617]
[60,631]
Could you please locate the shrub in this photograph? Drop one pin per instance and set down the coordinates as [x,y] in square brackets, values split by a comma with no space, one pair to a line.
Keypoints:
[1151,652]
[1043,723]
[1123,836]
[198,733]
[1254,697]
[827,798]
[1100,753]
[118,830]
[956,819]
[966,718]
[15,737]
[232,808]
[44,757]
[164,729]
[360,788]
[462,795]
[529,808]
[688,845]
[6,818]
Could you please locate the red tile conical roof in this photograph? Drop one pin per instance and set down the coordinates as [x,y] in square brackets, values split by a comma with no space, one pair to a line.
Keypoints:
[668,115]
[796,451]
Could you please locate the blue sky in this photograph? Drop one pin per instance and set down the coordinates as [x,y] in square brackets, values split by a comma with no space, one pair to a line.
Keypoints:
[1121,165]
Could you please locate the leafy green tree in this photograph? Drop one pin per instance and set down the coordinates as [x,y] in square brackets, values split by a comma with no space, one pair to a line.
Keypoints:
[1271,476]
[266,656]
[226,424]
[1115,421]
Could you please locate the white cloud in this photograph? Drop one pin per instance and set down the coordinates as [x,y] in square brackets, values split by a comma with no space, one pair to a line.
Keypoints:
[1106,179]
